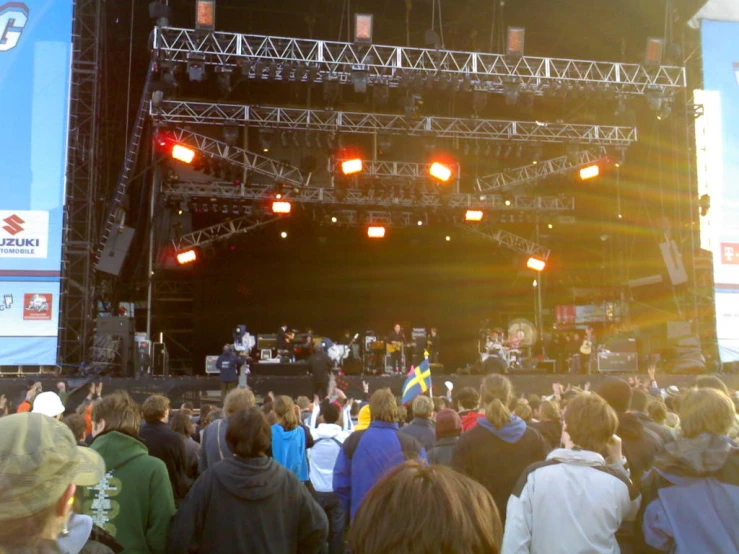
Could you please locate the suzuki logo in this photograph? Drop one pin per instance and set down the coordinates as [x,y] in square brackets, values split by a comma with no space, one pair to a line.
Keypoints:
[14,225]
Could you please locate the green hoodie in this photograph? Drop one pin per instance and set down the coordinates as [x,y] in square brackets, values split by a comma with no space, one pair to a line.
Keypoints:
[134,500]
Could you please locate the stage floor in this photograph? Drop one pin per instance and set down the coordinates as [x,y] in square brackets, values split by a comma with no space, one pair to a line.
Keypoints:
[193,389]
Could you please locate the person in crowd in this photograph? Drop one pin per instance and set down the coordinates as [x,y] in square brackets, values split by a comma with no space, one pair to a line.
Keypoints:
[303,403]
[468,400]
[328,437]
[5,406]
[691,496]
[448,430]
[163,443]
[320,366]
[401,415]
[640,445]
[274,511]
[500,446]
[228,365]
[213,446]
[48,404]
[711,382]
[549,422]
[657,410]
[27,404]
[524,411]
[134,500]
[183,426]
[76,424]
[577,499]
[422,426]
[639,406]
[367,454]
[41,468]
[440,402]
[364,418]
[61,388]
[448,513]
[288,439]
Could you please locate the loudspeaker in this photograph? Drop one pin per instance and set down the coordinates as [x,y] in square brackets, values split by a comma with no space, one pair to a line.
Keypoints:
[115,250]
[674,262]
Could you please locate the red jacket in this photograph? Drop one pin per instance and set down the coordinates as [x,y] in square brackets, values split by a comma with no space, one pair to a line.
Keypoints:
[469,419]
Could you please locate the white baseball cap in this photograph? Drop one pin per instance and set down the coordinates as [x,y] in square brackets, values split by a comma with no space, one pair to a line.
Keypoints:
[48,403]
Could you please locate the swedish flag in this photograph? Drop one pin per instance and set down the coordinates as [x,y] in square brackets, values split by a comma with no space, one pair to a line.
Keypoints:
[418,382]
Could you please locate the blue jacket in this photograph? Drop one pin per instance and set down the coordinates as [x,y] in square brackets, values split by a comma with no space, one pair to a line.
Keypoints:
[691,497]
[288,449]
[366,455]
[228,364]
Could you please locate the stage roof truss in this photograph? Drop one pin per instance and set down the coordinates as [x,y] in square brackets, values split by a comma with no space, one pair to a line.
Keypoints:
[178,112]
[507,239]
[291,59]
[222,231]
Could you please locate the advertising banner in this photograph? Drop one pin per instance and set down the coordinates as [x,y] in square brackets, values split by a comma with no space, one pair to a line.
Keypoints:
[35,58]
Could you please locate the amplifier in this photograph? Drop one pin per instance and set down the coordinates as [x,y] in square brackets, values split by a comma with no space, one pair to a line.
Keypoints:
[210,365]
[618,362]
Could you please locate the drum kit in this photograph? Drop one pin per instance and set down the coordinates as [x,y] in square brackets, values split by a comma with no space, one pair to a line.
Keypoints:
[507,348]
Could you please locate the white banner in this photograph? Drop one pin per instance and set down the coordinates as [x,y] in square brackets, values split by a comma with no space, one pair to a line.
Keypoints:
[24,234]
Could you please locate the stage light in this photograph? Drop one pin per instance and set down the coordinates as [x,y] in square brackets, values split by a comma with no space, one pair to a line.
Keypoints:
[363,28]
[375,232]
[536,264]
[473,215]
[420,223]
[283,235]
[205,15]
[186,257]
[507,202]
[440,172]
[515,42]
[653,55]
[447,238]
[334,220]
[281,207]
[550,226]
[351,167]
[589,172]
[183,153]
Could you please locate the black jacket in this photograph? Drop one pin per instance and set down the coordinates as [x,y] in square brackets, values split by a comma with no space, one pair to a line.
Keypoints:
[639,444]
[441,453]
[320,366]
[168,446]
[496,458]
[248,505]
[229,364]
[550,430]
[423,430]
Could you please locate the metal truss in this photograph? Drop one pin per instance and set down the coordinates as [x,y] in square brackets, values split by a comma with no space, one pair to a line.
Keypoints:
[294,59]
[279,171]
[509,240]
[397,171]
[300,119]
[535,172]
[222,231]
[353,218]
[366,198]
[83,181]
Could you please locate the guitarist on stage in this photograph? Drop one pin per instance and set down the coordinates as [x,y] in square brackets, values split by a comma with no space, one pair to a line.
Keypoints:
[396,339]
[586,350]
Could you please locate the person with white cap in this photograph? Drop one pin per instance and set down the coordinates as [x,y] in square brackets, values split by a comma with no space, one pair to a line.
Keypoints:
[48,404]
[41,467]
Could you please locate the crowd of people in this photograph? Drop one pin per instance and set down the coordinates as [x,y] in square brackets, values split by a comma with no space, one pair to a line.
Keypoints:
[627,467]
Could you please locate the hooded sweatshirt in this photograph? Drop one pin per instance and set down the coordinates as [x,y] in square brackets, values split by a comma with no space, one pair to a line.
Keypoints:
[496,457]
[328,440]
[134,501]
[248,505]
[469,419]
[691,497]
[288,448]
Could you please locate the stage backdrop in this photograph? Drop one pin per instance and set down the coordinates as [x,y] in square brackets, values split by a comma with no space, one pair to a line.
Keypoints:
[35,55]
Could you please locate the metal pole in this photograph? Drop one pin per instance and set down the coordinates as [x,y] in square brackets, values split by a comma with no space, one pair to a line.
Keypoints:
[150,268]
[540,284]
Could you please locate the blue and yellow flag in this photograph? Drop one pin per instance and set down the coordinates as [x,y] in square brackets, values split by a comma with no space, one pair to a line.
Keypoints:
[418,382]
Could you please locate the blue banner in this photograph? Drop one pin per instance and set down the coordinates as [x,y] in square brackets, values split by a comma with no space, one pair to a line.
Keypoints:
[35,56]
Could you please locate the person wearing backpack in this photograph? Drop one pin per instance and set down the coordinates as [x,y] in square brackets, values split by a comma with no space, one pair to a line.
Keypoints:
[328,438]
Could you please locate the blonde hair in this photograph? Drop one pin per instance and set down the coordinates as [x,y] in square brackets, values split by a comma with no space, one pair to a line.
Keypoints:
[237,400]
[383,406]
[524,411]
[549,410]
[706,411]
[285,412]
[423,407]
[496,392]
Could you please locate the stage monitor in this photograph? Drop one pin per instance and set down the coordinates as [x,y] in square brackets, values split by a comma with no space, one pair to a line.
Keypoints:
[35,58]
[717,144]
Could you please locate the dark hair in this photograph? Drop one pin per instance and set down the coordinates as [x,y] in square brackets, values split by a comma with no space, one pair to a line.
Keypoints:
[591,422]
[330,412]
[440,403]
[204,411]
[77,425]
[456,513]
[534,401]
[154,408]
[248,434]
[616,392]
[657,411]
[182,424]
[120,412]
[186,406]
[468,398]
[639,400]
[711,382]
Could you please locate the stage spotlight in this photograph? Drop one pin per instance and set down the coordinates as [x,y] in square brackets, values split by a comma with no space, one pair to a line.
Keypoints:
[205,15]
[283,235]
[363,28]
[375,232]
[653,54]
[196,67]
[186,257]
[473,215]
[265,140]
[515,42]
[536,264]
[183,153]
[447,238]
[507,202]
[360,80]
[440,172]
[589,172]
[550,226]
[420,223]
[351,167]
[334,219]
[281,207]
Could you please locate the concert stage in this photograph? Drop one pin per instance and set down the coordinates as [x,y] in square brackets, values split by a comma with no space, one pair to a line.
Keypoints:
[193,389]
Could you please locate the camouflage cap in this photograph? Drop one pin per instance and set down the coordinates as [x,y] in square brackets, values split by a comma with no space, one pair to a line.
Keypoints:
[39,459]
